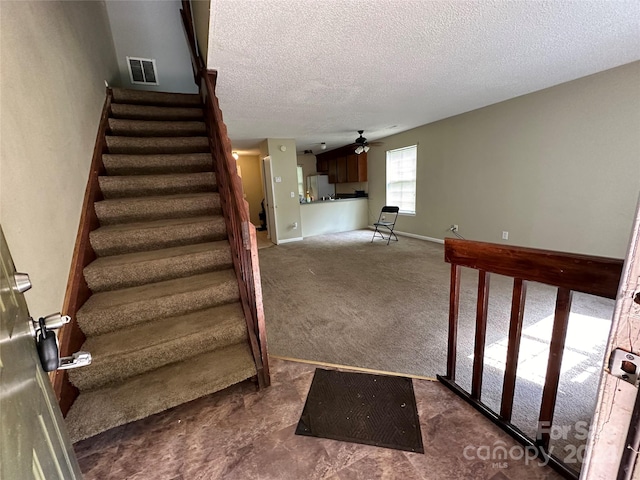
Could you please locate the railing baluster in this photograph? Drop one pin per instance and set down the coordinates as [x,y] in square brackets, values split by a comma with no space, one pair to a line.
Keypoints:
[552,379]
[454,302]
[513,347]
[481,333]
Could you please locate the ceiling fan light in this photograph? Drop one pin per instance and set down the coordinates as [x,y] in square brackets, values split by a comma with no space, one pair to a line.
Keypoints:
[359,149]
[366,148]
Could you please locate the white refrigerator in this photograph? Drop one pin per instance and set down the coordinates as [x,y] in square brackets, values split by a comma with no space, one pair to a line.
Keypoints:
[319,186]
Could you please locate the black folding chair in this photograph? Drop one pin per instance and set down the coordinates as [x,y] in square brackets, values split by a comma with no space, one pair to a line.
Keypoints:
[386,220]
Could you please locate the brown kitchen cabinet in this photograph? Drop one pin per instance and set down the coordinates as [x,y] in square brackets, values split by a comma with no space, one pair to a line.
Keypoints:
[357,168]
[342,165]
[332,170]
[322,164]
[342,169]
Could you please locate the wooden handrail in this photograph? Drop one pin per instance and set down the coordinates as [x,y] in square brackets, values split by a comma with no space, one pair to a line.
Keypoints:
[581,273]
[197,63]
[568,272]
[71,337]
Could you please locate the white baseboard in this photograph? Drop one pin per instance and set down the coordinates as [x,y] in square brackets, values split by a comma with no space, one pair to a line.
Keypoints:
[413,235]
[289,240]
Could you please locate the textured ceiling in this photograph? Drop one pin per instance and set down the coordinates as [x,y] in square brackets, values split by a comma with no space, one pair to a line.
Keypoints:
[317,71]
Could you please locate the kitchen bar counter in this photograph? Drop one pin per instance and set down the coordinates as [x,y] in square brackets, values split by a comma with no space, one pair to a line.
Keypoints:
[335,200]
[332,216]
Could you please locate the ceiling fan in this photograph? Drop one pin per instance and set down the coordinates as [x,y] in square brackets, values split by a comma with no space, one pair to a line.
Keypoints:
[362,144]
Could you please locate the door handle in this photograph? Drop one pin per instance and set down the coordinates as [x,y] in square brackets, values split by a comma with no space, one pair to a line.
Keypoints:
[47,344]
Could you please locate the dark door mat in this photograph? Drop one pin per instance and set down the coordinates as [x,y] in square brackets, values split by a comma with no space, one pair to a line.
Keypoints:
[361,408]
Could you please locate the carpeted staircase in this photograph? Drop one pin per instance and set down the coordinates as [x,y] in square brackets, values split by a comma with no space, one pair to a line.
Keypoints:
[164,323]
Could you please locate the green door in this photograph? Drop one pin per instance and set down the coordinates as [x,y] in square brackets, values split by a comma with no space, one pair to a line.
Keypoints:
[33,438]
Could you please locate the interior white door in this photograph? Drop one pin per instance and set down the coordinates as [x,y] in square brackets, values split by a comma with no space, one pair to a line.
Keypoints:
[270,207]
[34,443]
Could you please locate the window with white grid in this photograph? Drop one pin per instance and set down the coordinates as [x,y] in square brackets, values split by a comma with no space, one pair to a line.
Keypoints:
[401,178]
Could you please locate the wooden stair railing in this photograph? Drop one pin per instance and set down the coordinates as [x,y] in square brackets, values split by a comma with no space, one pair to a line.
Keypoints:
[71,337]
[241,232]
[569,272]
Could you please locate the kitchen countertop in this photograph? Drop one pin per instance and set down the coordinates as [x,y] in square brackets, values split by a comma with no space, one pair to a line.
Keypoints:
[337,200]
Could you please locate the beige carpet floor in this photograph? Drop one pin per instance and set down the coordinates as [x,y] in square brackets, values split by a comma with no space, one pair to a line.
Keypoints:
[341,299]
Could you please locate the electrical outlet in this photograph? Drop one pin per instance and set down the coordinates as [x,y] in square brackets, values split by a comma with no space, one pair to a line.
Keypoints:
[453,227]
[383,217]
[293,195]
[505,235]
[295,225]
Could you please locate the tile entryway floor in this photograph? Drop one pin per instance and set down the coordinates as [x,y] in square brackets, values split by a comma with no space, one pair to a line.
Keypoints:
[241,433]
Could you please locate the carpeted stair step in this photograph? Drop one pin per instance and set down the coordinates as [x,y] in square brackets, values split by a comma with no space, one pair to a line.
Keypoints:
[147,112]
[109,311]
[155,128]
[152,145]
[145,97]
[157,164]
[138,397]
[133,269]
[158,234]
[126,210]
[126,353]
[121,186]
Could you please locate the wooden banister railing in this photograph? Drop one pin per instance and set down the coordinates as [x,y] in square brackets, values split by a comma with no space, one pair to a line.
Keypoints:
[569,272]
[241,232]
[197,63]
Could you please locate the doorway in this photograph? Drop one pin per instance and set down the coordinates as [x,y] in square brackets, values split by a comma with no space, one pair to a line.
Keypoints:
[270,206]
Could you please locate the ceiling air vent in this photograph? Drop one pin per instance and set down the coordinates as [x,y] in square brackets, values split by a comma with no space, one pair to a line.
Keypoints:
[142,71]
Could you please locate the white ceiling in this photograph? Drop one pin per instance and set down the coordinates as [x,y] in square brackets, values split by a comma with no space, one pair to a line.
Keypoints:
[318,70]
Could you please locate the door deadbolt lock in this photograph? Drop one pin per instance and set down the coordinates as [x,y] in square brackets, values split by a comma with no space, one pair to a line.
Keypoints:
[625,365]
[47,344]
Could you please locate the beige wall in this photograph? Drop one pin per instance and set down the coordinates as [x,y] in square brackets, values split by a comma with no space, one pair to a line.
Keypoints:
[201,16]
[557,169]
[308,163]
[352,187]
[55,57]
[283,165]
[252,184]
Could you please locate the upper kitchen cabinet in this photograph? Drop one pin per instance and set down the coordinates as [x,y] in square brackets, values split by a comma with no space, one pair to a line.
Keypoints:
[342,169]
[332,169]
[342,165]
[322,164]
[357,168]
